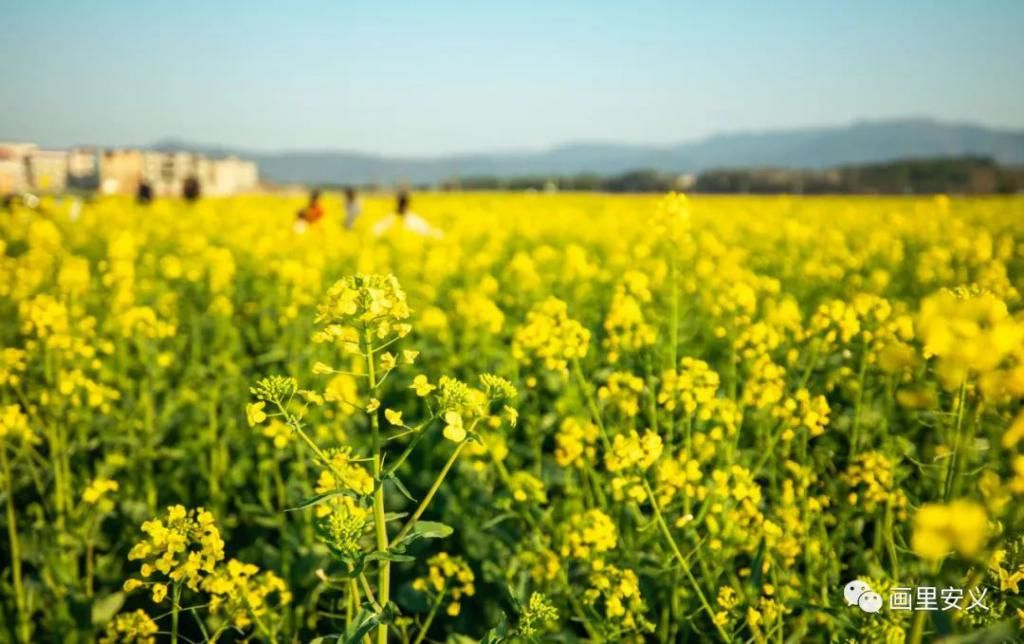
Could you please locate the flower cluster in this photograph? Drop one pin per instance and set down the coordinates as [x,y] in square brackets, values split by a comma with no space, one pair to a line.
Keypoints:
[872,482]
[575,442]
[184,548]
[344,524]
[242,593]
[449,575]
[344,473]
[14,426]
[681,474]
[960,527]
[622,391]
[374,302]
[802,411]
[131,628]
[96,494]
[618,591]
[589,535]
[537,615]
[765,385]
[968,332]
[549,337]
[633,451]
[12,365]
[627,458]
[527,488]
[694,385]
[625,325]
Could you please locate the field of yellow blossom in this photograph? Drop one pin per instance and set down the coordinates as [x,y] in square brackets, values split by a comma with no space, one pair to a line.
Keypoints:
[568,418]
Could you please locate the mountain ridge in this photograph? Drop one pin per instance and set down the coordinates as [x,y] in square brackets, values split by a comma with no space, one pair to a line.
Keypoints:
[863,141]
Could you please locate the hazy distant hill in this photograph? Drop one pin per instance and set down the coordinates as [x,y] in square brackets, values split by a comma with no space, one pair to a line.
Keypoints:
[812,148]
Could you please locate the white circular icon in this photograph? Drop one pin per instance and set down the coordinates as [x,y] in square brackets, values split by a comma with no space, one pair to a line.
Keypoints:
[854,590]
[870,602]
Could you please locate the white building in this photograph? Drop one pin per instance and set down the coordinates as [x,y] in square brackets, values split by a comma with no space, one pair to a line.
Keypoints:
[24,167]
[14,167]
[83,169]
[167,171]
[48,170]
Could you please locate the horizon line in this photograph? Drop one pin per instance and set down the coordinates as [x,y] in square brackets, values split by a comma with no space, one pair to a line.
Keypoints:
[169,140]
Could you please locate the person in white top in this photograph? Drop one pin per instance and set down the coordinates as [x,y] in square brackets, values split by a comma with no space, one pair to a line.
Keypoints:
[352,208]
[408,220]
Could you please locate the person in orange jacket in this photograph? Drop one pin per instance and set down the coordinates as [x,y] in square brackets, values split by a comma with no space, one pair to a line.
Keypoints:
[313,211]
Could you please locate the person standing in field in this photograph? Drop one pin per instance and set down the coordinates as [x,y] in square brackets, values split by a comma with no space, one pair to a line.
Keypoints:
[406,219]
[313,211]
[144,193]
[191,189]
[352,207]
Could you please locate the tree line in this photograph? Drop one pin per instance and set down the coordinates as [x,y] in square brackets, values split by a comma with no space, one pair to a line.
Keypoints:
[957,175]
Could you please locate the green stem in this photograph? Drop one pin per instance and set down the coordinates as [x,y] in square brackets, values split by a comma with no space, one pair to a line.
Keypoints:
[430,493]
[769,449]
[369,593]
[682,560]
[855,431]
[687,500]
[957,439]
[215,476]
[174,612]
[430,617]
[652,402]
[90,556]
[352,602]
[674,330]
[260,625]
[53,438]
[12,532]
[810,364]
[420,433]
[889,542]
[379,522]
[149,428]
[297,428]
[202,628]
[591,403]
[577,608]
[917,628]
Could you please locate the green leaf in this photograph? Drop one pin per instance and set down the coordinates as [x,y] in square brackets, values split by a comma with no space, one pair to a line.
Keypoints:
[498,519]
[757,567]
[423,530]
[388,555]
[104,608]
[390,612]
[320,498]
[431,530]
[401,488]
[510,596]
[364,622]
[497,634]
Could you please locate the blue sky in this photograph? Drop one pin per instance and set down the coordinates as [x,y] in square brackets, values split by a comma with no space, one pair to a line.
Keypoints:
[439,77]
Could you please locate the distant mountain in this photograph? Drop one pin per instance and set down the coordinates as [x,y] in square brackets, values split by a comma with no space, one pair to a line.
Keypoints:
[811,148]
